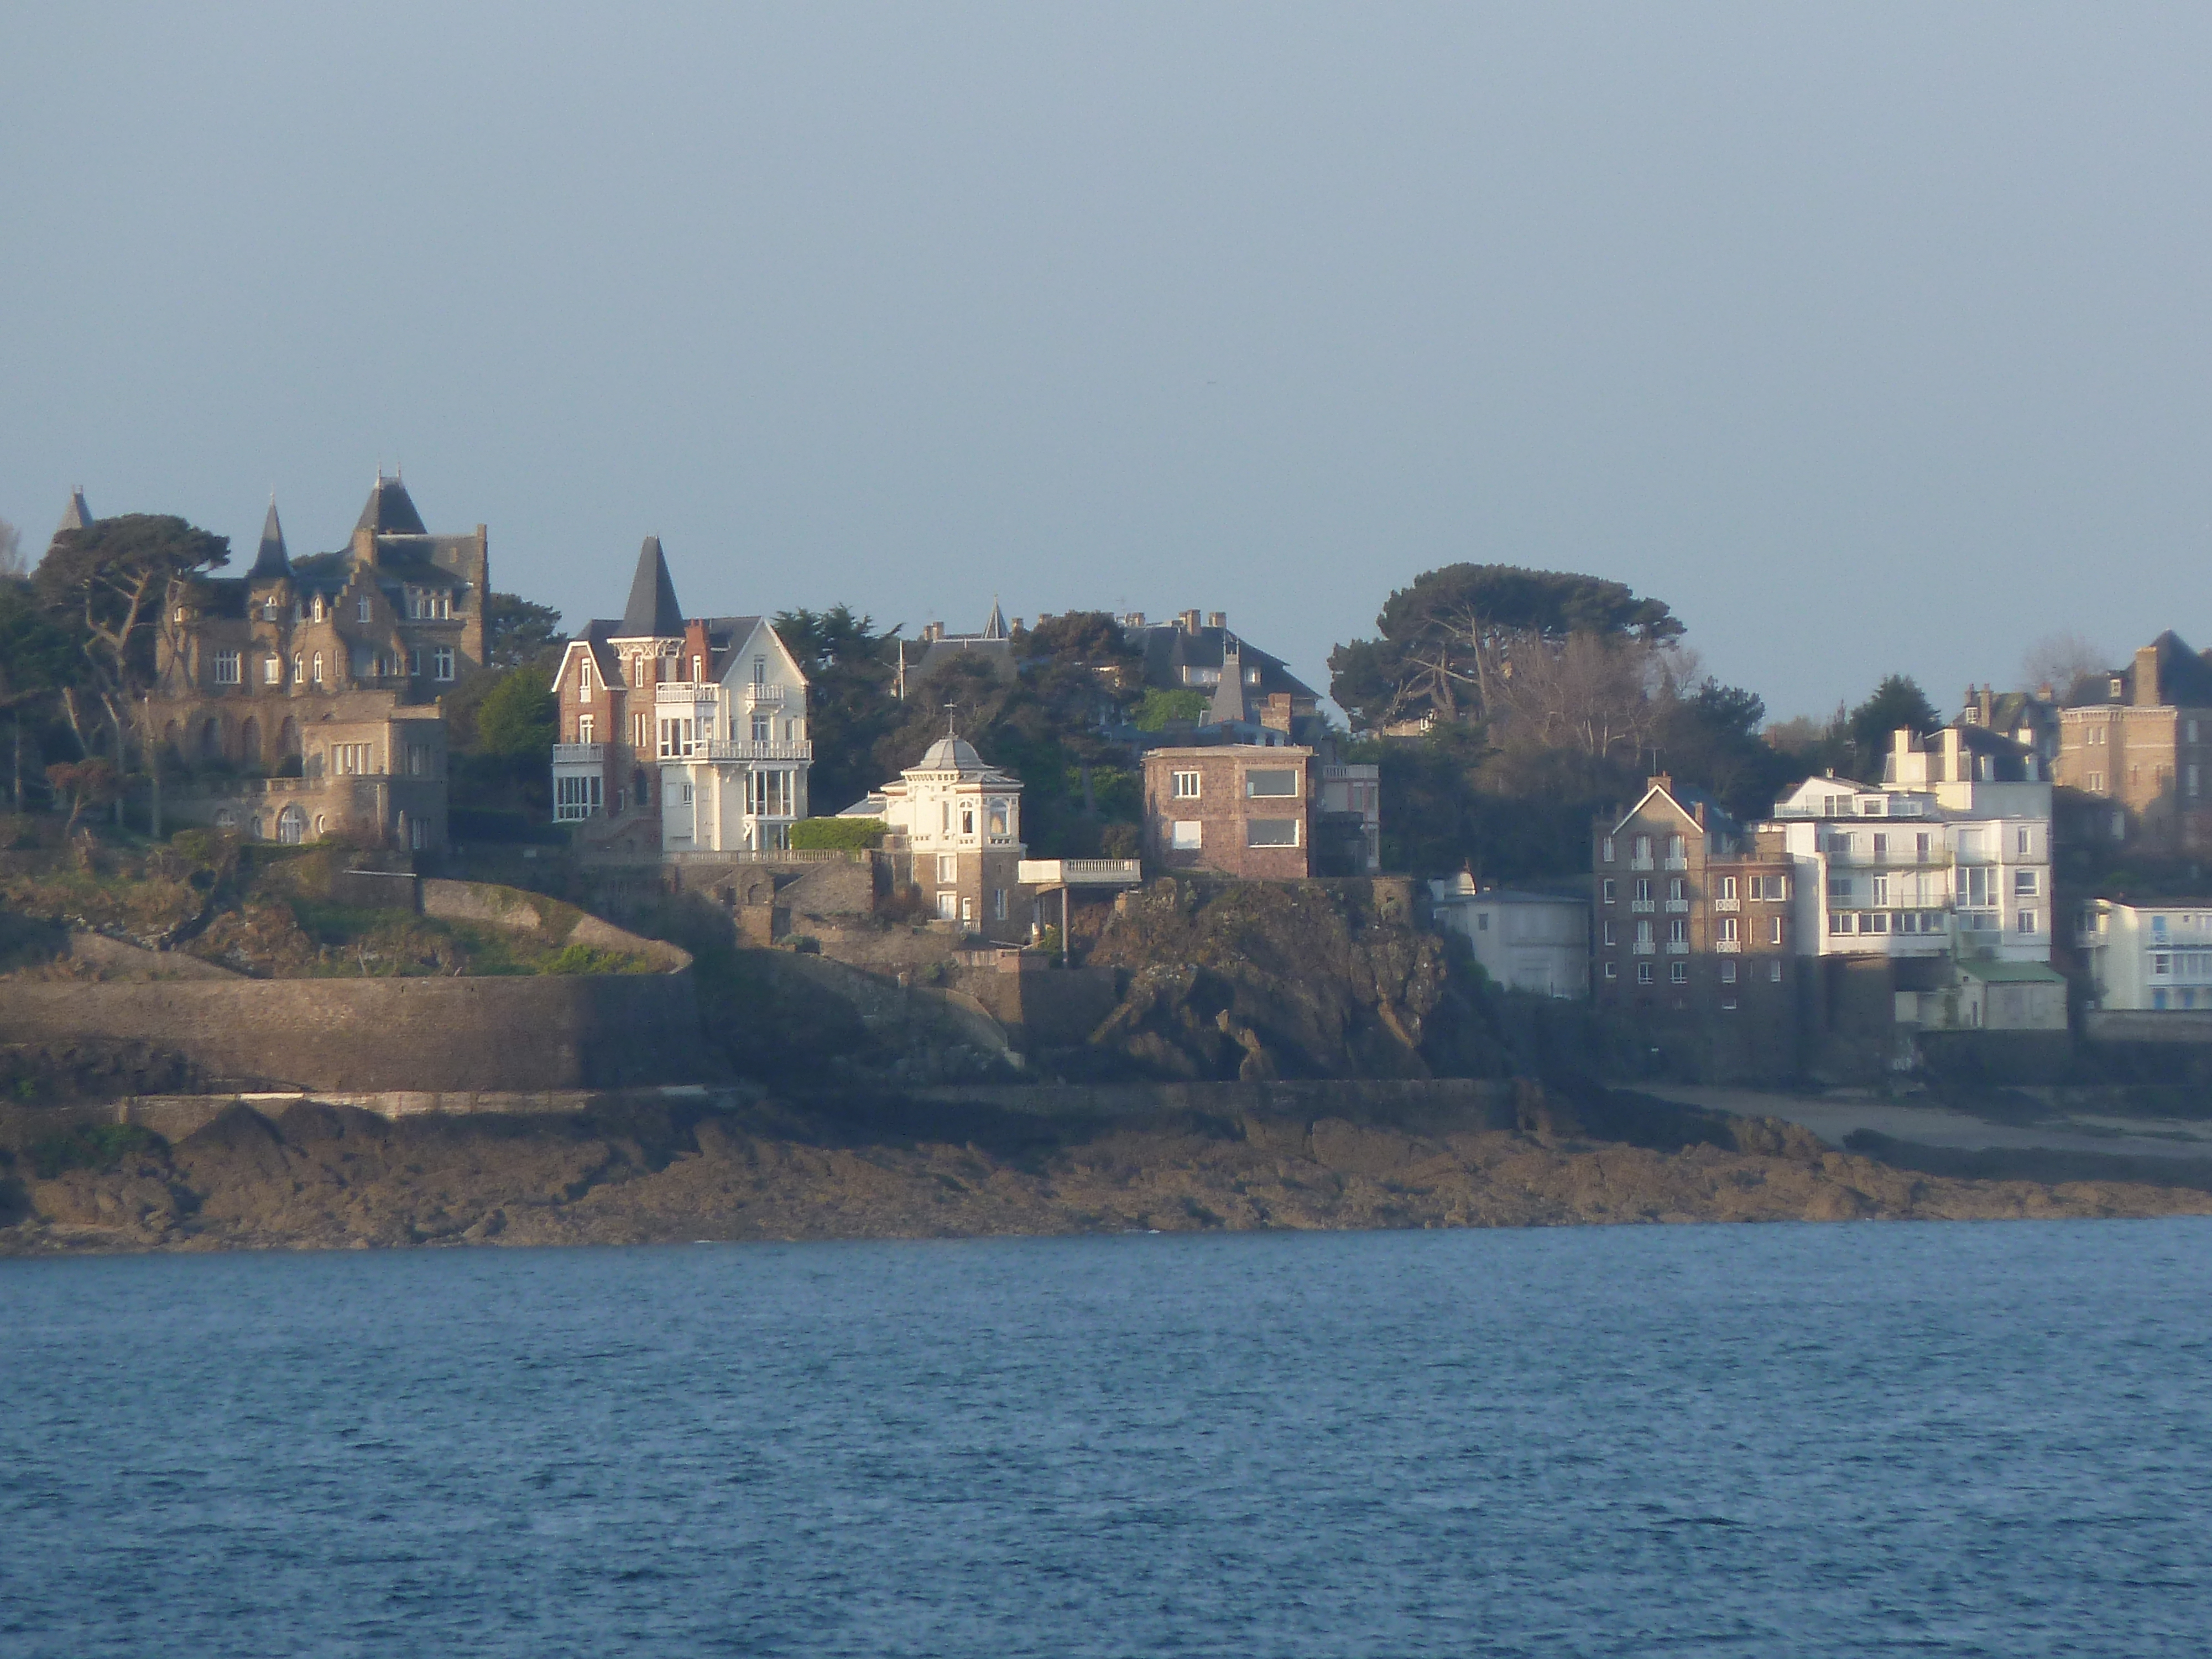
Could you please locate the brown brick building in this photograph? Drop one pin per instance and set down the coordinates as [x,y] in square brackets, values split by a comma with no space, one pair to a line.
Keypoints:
[1234,809]
[2135,747]
[301,701]
[1690,926]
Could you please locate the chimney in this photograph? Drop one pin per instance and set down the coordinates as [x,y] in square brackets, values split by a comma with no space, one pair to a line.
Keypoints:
[1698,812]
[1134,619]
[1954,771]
[1986,702]
[1188,621]
[1217,619]
[2146,688]
[698,662]
[1661,780]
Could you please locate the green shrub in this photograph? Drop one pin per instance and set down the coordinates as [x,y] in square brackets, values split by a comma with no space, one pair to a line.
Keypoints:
[1158,708]
[96,1146]
[836,834]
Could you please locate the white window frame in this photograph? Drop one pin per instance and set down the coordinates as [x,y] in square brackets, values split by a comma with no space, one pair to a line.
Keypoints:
[1185,786]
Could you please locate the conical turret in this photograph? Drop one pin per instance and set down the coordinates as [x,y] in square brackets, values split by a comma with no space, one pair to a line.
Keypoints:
[272,561]
[78,516]
[652,612]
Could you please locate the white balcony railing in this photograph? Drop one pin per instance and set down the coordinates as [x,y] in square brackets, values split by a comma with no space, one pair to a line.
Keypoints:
[1678,907]
[1678,864]
[1080,873]
[1728,947]
[761,696]
[723,749]
[579,754]
[1641,948]
[1726,905]
[685,691]
[1640,907]
[1639,864]
[1677,949]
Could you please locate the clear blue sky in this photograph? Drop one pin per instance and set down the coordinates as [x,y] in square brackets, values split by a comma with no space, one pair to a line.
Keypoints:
[1870,338]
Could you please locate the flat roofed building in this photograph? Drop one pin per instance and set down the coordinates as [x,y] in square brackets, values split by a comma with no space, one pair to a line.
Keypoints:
[1232,809]
[1538,943]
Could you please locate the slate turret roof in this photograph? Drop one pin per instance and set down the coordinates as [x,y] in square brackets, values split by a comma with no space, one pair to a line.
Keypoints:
[391,511]
[272,561]
[652,612]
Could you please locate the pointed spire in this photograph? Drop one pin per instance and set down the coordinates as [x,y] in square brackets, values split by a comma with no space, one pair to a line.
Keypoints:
[996,628]
[79,516]
[272,561]
[652,612]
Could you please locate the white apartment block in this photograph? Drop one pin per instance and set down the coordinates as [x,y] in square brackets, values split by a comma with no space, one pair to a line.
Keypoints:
[1948,856]
[2147,957]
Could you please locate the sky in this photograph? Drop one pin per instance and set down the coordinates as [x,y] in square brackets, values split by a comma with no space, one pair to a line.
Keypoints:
[1872,338]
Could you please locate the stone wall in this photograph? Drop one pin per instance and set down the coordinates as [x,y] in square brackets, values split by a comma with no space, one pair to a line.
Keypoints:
[1469,1102]
[549,1031]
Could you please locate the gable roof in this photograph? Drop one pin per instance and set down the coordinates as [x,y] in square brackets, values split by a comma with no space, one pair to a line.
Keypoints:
[1686,798]
[1168,648]
[651,611]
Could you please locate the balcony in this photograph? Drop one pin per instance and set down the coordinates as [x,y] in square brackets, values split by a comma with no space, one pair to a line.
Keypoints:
[1682,863]
[686,691]
[1641,948]
[762,697]
[1639,864]
[1725,906]
[1678,948]
[580,754]
[1080,873]
[725,749]
[1728,947]
[1678,907]
[1640,907]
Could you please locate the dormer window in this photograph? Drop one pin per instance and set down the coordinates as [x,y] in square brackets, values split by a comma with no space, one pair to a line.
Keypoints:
[2117,687]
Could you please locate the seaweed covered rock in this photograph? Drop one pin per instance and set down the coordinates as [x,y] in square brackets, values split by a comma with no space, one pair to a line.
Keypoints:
[1256,980]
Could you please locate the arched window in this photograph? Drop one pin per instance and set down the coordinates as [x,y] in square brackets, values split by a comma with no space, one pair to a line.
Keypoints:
[318,667]
[211,739]
[249,742]
[292,826]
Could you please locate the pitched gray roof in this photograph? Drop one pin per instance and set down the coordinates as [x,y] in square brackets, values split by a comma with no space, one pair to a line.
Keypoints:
[272,560]
[78,516]
[391,510]
[652,611]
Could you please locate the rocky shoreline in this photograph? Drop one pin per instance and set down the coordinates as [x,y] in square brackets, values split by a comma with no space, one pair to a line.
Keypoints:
[320,1177]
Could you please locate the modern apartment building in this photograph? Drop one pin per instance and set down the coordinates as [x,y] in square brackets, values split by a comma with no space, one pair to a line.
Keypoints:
[1242,810]
[2147,957]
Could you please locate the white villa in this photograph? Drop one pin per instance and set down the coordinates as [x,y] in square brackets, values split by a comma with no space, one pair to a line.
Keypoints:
[959,819]
[2153,957]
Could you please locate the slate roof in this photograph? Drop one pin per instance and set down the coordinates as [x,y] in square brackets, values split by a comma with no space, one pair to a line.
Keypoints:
[272,561]
[652,612]
[1167,649]
[2184,679]
[391,511]
[76,515]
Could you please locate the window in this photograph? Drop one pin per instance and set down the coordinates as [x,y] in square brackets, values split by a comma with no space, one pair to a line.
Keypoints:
[349,759]
[1605,850]
[1184,787]
[998,819]
[790,731]
[698,668]
[2026,844]
[640,726]
[298,663]
[583,728]
[1770,887]
[1880,845]
[2023,883]
[1727,971]
[1609,890]
[360,609]
[319,616]
[676,740]
[584,681]
[948,867]
[2161,964]
[1774,972]
[1674,851]
[1728,930]
[1644,973]
[1613,970]
[1640,850]
[1874,921]
[1263,784]
[1839,921]
[760,728]
[1840,890]
[2095,783]
[1643,890]
[415,663]
[967,910]
[760,670]
[442,660]
[319,668]
[1678,931]
[1271,832]
[2192,777]
[2026,923]
[1774,936]
[1727,887]
[576,798]
[2188,732]
[1607,930]
[1643,935]
[1881,886]
[999,903]
[967,820]
[1678,890]
[418,760]
[1186,835]
[226,668]
[1678,973]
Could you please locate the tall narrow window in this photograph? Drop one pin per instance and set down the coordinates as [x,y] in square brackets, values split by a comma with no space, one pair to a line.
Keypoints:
[361,610]
[583,728]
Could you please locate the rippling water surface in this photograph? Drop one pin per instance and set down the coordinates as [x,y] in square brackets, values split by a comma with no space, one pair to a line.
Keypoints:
[1815,1440]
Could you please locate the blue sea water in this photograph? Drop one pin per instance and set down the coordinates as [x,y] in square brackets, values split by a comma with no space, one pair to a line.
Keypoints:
[1802,1440]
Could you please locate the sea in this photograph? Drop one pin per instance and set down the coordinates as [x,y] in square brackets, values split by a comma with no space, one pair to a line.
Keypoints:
[1802,1440]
